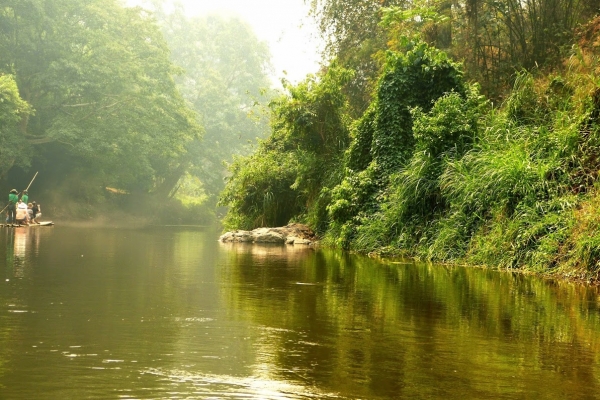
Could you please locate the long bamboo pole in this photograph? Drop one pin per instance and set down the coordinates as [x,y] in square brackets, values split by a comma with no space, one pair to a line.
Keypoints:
[31,181]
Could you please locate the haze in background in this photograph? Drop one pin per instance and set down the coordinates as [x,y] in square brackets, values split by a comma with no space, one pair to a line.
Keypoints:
[285,25]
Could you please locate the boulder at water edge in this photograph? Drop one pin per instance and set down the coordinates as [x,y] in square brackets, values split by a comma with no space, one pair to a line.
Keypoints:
[290,234]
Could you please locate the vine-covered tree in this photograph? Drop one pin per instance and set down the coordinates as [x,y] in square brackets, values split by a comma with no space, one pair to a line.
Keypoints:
[284,178]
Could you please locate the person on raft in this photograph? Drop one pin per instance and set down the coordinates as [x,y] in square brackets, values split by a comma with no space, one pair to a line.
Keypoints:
[30,213]
[21,213]
[25,197]
[37,212]
[11,209]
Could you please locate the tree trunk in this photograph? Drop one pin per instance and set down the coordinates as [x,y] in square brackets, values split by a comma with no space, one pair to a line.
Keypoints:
[166,187]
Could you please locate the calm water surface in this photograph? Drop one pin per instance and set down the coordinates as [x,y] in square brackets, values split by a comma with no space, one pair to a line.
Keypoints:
[172,314]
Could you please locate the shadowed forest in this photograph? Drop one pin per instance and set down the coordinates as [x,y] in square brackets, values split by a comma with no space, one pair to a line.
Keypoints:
[453,131]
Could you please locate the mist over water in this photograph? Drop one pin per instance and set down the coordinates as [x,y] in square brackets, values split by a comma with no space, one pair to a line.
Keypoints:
[171,313]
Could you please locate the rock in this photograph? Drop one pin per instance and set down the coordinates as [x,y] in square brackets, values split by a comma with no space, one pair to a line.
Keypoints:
[226,237]
[268,236]
[297,240]
[237,236]
[303,241]
[290,234]
[297,230]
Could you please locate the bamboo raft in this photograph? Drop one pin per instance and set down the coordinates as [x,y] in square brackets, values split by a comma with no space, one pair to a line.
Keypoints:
[45,223]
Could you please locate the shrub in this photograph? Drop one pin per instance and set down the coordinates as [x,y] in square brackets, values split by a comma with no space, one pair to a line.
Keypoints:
[260,193]
[383,140]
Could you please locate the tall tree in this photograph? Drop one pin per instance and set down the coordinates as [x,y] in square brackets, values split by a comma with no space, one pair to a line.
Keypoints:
[353,36]
[13,146]
[499,38]
[494,38]
[226,81]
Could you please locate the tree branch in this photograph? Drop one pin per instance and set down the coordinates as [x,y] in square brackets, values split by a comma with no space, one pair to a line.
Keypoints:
[79,105]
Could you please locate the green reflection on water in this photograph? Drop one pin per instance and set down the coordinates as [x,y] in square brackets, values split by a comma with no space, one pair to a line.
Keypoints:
[167,313]
[356,325]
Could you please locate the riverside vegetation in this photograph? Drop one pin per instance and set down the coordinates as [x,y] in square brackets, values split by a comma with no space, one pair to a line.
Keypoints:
[394,147]
[430,167]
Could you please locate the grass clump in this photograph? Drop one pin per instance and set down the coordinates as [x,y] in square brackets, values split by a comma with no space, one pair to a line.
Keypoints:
[504,187]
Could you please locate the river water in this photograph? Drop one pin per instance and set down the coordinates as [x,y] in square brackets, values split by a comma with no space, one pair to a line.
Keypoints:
[170,313]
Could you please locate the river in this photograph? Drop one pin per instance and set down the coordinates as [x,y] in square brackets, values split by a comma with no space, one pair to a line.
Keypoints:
[171,313]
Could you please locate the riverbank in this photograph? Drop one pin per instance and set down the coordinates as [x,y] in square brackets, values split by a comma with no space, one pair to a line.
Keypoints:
[558,239]
[436,171]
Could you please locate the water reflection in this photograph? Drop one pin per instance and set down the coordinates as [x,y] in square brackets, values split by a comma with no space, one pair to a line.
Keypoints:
[174,314]
[21,243]
[270,253]
[20,239]
[223,386]
[415,330]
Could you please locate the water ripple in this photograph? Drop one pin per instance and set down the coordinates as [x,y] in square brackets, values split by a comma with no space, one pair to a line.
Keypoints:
[231,387]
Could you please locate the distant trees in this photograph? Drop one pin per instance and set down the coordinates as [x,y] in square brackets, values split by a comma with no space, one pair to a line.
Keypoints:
[225,80]
[100,82]
[143,101]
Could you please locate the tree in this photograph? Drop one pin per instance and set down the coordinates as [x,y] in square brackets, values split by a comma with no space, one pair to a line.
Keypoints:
[494,38]
[13,146]
[285,178]
[353,36]
[226,82]
[383,140]
[100,80]
[499,38]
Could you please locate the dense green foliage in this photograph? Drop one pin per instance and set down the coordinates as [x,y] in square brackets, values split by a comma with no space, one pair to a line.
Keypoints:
[433,170]
[285,177]
[113,110]
[225,81]
[384,140]
[335,179]
[492,38]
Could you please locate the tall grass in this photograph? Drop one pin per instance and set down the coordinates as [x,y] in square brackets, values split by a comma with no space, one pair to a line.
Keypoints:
[520,194]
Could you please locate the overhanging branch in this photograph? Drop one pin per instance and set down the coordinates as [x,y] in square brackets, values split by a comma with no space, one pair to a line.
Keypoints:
[41,140]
